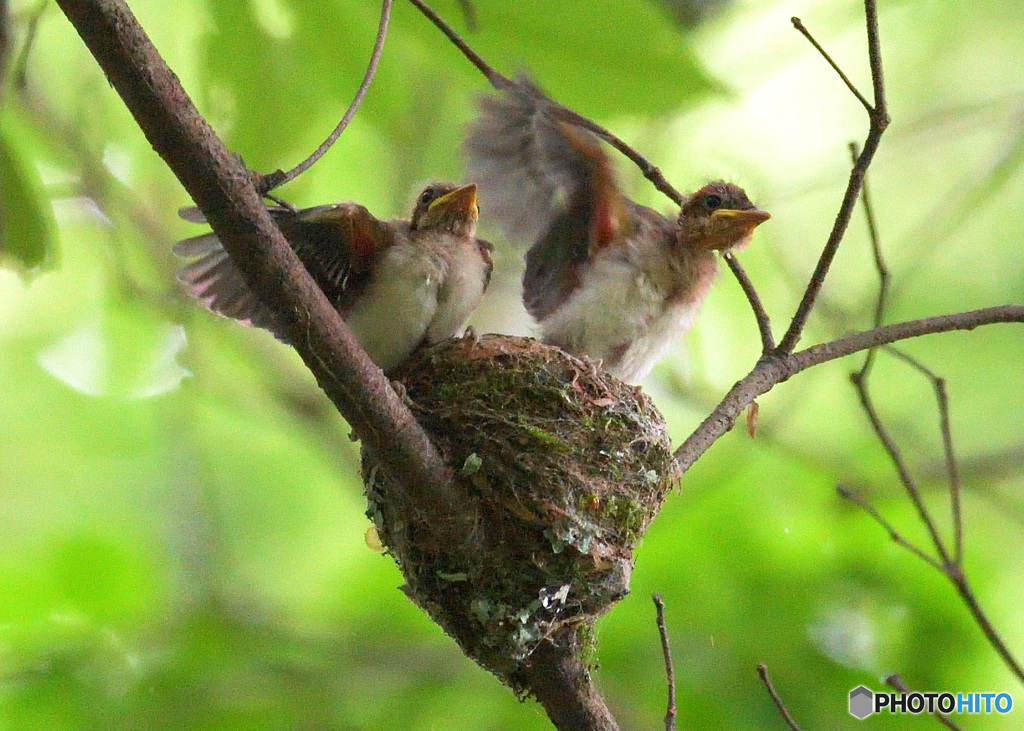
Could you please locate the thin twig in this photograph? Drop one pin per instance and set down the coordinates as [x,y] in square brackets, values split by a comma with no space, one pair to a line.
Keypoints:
[879,120]
[952,568]
[876,250]
[500,82]
[897,537]
[949,454]
[497,79]
[670,713]
[799,25]
[896,682]
[959,579]
[952,471]
[762,671]
[764,324]
[896,457]
[279,178]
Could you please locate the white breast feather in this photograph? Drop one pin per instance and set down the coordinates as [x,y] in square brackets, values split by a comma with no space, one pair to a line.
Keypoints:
[392,315]
[459,295]
[615,304]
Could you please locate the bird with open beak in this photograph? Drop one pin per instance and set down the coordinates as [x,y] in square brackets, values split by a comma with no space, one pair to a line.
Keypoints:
[605,277]
[398,284]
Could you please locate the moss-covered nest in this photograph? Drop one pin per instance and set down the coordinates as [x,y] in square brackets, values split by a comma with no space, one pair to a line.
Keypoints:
[560,469]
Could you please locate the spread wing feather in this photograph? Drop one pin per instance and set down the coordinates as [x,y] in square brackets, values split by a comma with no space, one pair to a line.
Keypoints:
[547,182]
[338,245]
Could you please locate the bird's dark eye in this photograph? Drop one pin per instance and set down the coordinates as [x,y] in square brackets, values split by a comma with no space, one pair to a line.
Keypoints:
[428,195]
[712,202]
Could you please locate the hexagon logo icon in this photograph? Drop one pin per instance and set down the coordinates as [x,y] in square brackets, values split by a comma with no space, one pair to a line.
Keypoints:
[862,702]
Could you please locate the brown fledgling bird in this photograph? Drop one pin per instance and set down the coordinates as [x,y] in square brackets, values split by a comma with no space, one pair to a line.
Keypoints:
[605,277]
[398,284]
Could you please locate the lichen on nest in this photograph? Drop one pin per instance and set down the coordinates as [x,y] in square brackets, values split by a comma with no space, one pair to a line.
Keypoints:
[559,468]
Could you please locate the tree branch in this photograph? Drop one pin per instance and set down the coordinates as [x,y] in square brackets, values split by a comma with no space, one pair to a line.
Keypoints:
[878,116]
[223,189]
[764,323]
[894,534]
[562,684]
[778,367]
[950,565]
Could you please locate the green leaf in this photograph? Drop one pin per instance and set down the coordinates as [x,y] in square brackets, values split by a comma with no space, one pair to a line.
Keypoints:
[28,240]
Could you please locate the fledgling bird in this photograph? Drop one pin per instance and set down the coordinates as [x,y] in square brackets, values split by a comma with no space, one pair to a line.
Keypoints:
[605,277]
[398,284]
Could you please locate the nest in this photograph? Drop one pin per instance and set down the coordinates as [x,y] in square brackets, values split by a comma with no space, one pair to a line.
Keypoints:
[559,468]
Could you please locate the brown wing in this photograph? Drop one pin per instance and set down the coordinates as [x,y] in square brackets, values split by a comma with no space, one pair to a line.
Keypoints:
[546,181]
[338,244]
[529,165]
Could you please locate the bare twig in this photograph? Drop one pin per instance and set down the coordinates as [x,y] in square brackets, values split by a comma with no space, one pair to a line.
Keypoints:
[895,456]
[279,178]
[799,25]
[764,324]
[951,561]
[949,454]
[223,190]
[878,116]
[497,79]
[959,579]
[951,567]
[670,713]
[952,471]
[762,671]
[896,536]
[876,250]
[896,682]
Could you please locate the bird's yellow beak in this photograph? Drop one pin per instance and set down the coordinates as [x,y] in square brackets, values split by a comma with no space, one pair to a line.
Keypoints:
[732,226]
[461,200]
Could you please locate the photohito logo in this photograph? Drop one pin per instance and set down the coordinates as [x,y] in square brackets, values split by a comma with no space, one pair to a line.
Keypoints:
[864,702]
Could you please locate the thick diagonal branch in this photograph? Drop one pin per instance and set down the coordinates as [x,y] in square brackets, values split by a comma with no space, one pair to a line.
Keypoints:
[223,189]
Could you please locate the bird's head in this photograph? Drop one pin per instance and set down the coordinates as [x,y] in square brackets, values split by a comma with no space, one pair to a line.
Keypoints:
[718,217]
[446,207]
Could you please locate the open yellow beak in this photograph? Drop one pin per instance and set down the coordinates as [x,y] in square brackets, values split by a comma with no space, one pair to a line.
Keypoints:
[462,200]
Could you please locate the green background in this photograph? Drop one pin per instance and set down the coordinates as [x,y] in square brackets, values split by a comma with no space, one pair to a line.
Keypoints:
[181,522]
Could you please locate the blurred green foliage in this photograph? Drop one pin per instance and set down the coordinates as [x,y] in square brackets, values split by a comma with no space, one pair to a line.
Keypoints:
[181,522]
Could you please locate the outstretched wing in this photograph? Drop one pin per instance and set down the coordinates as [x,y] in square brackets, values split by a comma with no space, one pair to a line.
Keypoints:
[338,244]
[546,181]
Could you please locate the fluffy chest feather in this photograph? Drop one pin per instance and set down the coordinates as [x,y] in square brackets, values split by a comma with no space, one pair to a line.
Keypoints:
[393,313]
[626,312]
[463,288]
